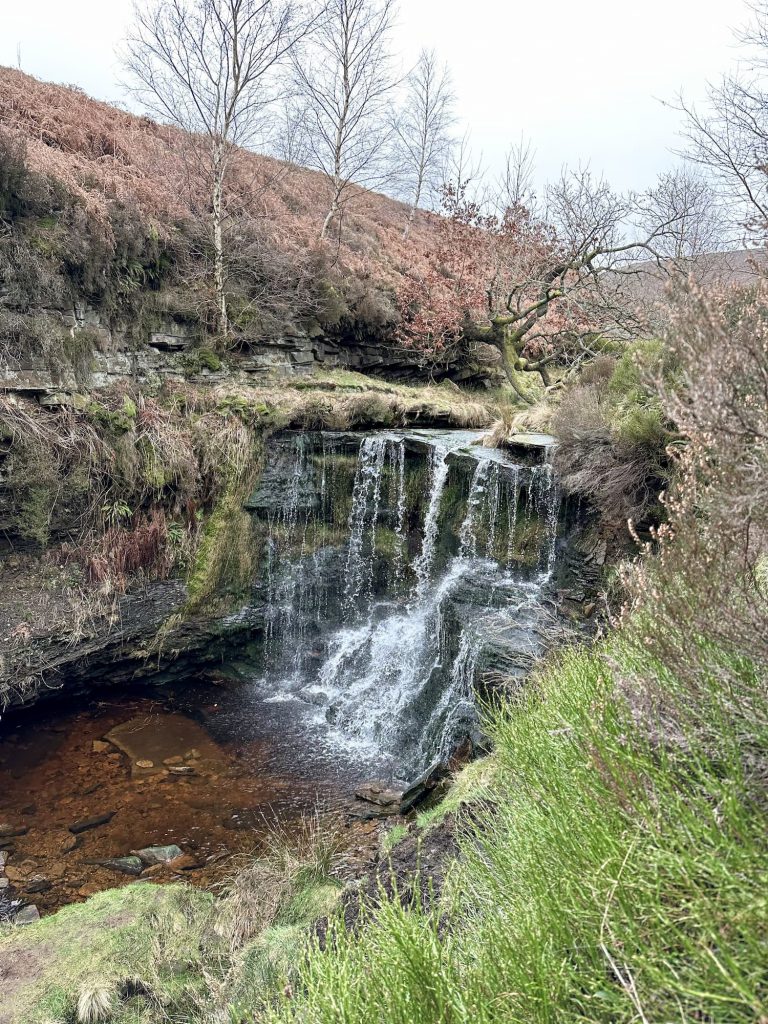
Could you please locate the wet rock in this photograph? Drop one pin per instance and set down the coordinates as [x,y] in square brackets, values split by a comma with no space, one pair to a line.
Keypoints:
[151,855]
[38,884]
[3,860]
[143,762]
[27,915]
[186,862]
[4,882]
[88,823]
[183,769]
[7,830]
[100,747]
[387,800]
[178,759]
[126,865]
[378,792]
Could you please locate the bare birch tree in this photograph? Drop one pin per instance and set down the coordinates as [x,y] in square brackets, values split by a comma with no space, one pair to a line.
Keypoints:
[344,82]
[727,134]
[422,130]
[206,66]
[689,203]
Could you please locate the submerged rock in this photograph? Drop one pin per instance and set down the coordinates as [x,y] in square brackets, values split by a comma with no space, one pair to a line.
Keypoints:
[151,855]
[132,865]
[154,742]
[88,823]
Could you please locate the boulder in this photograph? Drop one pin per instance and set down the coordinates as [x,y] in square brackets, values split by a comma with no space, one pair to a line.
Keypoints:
[27,915]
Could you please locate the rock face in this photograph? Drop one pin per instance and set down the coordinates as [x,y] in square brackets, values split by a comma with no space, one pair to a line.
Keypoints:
[171,349]
[121,649]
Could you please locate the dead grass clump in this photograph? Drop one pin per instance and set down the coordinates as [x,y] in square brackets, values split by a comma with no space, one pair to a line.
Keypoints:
[124,553]
[273,888]
[96,1004]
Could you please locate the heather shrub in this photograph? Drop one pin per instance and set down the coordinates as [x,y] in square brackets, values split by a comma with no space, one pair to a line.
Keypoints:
[707,580]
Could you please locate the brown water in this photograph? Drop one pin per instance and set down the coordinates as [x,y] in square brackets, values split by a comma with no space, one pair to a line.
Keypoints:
[217,799]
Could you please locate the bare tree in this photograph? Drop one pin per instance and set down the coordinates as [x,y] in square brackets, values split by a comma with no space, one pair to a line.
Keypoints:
[727,135]
[556,279]
[689,203]
[422,131]
[515,185]
[344,82]
[205,66]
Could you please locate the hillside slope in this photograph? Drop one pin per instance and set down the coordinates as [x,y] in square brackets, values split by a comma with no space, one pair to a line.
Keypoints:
[107,228]
[106,155]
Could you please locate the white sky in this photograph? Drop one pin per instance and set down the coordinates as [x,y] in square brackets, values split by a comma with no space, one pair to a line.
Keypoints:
[582,79]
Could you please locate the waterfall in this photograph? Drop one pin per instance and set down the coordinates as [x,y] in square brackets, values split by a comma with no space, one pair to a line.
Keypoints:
[438,476]
[366,497]
[397,463]
[513,501]
[383,654]
[546,504]
[477,494]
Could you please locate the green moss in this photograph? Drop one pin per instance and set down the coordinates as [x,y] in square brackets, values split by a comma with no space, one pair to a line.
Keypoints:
[35,508]
[200,359]
[228,553]
[117,421]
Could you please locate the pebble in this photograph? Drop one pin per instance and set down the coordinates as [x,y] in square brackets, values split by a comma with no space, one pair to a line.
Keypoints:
[100,747]
[144,763]
[173,760]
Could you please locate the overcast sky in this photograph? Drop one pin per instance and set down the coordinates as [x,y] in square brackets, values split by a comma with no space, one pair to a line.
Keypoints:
[582,79]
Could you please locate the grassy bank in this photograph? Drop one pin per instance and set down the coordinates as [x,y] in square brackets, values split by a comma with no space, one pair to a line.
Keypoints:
[608,878]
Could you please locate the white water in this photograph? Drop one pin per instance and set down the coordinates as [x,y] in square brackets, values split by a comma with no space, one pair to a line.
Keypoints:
[385,665]
[438,476]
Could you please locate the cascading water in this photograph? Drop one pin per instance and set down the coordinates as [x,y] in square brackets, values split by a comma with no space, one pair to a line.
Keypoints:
[395,564]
